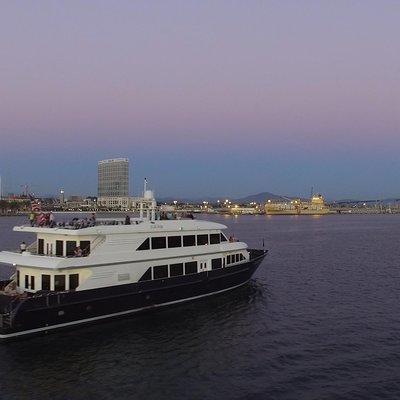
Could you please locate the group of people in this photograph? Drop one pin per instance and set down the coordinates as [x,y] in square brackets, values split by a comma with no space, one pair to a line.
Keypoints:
[170,216]
[47,219]
[80,223]
[42,219]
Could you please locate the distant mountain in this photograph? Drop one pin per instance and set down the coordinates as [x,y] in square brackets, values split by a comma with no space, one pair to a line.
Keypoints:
[260,198]
[170,200]
[264,197]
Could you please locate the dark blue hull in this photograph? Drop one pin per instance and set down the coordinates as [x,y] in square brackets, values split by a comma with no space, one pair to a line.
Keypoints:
[46,312]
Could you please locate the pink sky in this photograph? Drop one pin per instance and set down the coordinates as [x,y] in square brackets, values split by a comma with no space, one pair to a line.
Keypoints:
[261,79]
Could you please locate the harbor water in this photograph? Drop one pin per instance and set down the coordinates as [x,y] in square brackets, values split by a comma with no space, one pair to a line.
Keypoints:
[319,320]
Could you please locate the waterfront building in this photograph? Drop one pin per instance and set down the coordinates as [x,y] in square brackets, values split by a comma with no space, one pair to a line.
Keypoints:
[113,183]
[113,178]
[114,202]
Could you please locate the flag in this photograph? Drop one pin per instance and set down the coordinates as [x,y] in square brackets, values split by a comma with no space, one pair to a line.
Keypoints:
[35,204]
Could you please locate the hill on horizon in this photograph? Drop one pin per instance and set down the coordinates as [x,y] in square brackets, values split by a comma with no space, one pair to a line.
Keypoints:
[258,198]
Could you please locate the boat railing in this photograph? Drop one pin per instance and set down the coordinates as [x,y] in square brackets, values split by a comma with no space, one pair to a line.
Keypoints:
[99,240]
[83,224]
[32,248]
[257,253]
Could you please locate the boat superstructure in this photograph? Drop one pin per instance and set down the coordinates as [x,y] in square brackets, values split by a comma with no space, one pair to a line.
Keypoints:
[120,269]
[315,206]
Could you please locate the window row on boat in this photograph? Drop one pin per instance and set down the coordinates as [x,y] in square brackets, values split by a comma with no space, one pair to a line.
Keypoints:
[47,282]
[189,268]
[63,248]
[163,242]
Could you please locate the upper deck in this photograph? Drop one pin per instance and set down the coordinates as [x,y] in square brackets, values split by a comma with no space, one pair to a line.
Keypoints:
[66,247]
[117,226]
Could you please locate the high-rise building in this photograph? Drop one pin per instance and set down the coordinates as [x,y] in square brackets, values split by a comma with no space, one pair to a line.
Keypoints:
[113,183]
[113,178]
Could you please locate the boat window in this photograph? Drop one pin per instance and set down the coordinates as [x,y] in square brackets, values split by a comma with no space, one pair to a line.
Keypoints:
[41,246]
[145,245]
[159,242]
[71,246]
[73,281]
[26,281]
[241,257]
[32,282]
[216,263]
[59,283]
[215,238]
[236,257]
[189,240]
[223,237]
[202,240]
[59,248]
[85,246]
[147,275]
[18,277]
[228,260]
[160,271]
[191,267]
[176,269]
[45,282]
[174,241]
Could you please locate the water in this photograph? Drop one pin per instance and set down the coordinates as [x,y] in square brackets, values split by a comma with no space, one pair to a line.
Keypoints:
[319,320]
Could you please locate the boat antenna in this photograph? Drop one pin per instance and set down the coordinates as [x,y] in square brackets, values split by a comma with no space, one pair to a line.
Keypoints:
[145,186]
[312,191]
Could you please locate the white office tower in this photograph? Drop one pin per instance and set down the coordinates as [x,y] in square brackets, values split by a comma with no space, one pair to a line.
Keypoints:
[113,183]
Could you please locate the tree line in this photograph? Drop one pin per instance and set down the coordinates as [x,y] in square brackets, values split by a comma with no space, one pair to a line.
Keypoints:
[12,206]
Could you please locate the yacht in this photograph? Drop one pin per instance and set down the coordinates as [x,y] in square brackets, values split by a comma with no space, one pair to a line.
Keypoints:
[315,206]
[121,268]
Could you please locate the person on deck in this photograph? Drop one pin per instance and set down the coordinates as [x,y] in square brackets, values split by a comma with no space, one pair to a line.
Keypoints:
[78,252]
[127,220]
[32,218]
[22,247]
[52,221]
[93,219]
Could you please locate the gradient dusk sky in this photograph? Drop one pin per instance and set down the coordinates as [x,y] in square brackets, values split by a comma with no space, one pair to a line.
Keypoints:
[206,98]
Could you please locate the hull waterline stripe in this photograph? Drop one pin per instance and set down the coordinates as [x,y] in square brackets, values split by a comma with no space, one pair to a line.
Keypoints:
[81,321]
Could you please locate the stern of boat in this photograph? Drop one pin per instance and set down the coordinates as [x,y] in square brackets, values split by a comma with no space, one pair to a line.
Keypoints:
[6,305]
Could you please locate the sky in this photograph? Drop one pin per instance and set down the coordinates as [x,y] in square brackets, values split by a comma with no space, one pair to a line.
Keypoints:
[206,98]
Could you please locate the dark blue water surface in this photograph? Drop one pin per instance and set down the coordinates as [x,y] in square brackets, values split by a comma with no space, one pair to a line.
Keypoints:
[320,320]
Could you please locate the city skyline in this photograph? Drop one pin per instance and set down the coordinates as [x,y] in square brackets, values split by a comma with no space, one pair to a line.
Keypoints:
[207,99]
